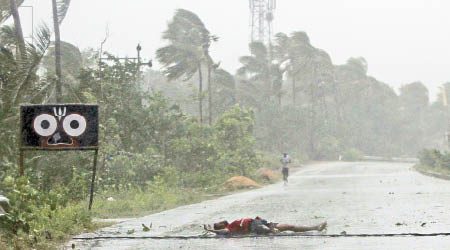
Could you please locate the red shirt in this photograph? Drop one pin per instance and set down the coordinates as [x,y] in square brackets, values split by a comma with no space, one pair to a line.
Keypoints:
[239,226]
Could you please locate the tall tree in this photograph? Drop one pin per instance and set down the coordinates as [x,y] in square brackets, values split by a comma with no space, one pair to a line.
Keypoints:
[224,92]
[349,81]
[5,9]
[185,54]
[209,93]
[314,69]
[19,83]
[256,73]
[296,54]
[414,106]
[18,28]
[60,8]
[211,67]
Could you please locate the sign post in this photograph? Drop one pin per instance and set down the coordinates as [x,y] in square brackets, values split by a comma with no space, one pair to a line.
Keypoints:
[59,127]
[94,172]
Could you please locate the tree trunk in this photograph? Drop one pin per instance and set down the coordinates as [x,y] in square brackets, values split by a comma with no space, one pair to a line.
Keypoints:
[293,90]
[337,103]
[200,90]
[279,97]
[312,116]
[209,96]
[268,91]
[57,53]
[18,27]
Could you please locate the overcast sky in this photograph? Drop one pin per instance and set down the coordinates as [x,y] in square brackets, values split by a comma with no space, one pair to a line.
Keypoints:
[402,40]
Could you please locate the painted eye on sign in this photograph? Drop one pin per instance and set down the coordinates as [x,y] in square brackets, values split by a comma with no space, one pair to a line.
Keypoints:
[71,126]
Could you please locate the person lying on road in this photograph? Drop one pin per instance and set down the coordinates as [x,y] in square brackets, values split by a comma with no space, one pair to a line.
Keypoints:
[258,226]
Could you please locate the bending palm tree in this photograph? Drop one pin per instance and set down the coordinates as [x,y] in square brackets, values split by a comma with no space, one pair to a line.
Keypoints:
[256,70]
[296,53]
[186,53]
[19,33]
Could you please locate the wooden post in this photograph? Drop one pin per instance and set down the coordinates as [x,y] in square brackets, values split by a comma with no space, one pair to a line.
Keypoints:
[91,199]
[21,151]
[21,163]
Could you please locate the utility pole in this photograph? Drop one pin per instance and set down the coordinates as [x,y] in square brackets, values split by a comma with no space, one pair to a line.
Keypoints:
[138,58]
[138,49]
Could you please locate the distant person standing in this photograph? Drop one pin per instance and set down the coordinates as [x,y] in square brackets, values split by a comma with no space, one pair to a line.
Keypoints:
[285,160]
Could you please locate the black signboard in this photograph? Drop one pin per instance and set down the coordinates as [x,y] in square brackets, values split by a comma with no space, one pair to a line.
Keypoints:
[59,126]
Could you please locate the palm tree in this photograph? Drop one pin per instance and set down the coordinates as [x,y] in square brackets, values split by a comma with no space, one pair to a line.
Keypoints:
[60,8]
[296,54]
[71,60]
[186,53]
[314,69]
[5,9]
[280,52]
[276,73]
[349,80]
[211,67]
[18,26]
[209,63]
[256,71]
[16,75]
[19,83]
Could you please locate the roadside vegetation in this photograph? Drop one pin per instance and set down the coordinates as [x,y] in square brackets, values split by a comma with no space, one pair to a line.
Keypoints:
[171,137]
[435,161]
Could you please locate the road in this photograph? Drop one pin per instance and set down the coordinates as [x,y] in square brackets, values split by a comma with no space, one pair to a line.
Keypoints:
[358,198]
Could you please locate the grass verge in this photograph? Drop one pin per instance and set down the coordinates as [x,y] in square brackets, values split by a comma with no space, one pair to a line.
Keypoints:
[438,170]
[51,226]
[137,202]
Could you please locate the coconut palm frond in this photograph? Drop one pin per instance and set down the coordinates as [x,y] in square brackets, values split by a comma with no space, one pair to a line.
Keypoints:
[36,54]
[42,39]
[189,15]
[44,90]
[258,49]
[224,79]
[177,61]
[5,10]
[63,7]
[7,35]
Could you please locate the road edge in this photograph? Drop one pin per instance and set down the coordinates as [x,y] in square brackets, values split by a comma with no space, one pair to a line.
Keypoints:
[431,173]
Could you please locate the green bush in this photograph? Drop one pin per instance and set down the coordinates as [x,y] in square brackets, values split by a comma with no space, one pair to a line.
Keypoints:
[328,148]
[235,142]
[270,161]
[157,196]
[150,150]
[352,154]
[430,157]
[435,159]
[35,216]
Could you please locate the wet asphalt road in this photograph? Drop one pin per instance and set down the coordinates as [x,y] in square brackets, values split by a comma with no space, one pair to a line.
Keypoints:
[358,198]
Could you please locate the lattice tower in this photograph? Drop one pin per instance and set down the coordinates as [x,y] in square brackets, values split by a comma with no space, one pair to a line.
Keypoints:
[261,19]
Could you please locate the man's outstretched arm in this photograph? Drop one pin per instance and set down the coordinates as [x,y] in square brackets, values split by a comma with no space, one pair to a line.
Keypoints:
[219,232]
